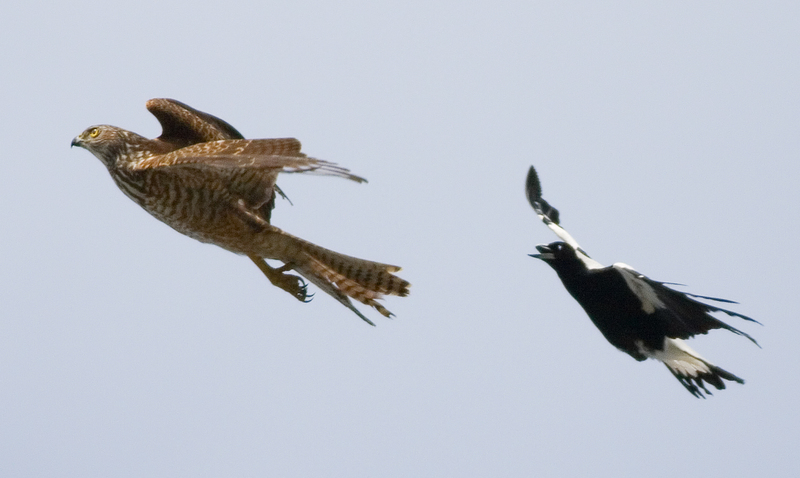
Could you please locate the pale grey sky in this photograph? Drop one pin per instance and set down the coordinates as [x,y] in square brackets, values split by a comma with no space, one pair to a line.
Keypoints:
[667,135]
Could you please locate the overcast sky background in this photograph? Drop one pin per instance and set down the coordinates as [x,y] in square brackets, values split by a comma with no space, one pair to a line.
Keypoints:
[667,133]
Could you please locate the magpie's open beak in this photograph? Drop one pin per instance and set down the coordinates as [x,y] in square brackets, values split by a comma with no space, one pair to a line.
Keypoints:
[545,253]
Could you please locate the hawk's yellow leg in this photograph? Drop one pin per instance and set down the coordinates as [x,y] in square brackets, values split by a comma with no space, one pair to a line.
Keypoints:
[294,285]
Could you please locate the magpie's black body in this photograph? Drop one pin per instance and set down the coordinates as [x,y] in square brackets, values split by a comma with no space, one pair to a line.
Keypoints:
[641,317]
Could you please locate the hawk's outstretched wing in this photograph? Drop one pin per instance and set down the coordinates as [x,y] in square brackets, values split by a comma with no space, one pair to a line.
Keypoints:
[259,156]
[183,125]
[250,178]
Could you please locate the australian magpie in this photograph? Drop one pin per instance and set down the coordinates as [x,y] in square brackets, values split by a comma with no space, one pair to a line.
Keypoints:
[641,317]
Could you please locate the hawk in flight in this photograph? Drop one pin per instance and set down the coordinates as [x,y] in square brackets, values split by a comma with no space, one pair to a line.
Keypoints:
[203,179]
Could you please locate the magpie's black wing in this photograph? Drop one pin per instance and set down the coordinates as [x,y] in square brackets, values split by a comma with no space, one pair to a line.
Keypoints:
[547,213]
[680,315]
[533,189]
[695,316]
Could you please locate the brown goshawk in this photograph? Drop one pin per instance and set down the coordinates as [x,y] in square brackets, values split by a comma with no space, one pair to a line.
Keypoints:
[204,180]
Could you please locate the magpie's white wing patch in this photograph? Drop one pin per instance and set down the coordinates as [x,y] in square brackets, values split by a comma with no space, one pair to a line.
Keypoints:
[640,287]
[588,261]
[550,217]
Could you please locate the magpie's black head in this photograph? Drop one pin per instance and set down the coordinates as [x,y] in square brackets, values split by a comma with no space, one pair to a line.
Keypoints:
[559,255]
[554,252]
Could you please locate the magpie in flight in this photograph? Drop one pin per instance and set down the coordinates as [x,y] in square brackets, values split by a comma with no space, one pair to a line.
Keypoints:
[641,317]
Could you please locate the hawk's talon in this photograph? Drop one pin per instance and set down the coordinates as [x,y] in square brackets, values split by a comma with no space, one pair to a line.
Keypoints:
[294,285]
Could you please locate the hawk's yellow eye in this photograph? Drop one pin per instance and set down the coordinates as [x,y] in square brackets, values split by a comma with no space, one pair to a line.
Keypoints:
[94,132]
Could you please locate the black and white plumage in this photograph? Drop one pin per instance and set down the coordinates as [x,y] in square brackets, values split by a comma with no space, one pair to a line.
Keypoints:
[641,317]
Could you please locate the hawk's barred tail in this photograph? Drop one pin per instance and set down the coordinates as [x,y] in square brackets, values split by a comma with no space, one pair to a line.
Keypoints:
[345,277]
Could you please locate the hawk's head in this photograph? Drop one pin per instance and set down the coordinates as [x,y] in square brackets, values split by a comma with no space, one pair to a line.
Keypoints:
[109,143]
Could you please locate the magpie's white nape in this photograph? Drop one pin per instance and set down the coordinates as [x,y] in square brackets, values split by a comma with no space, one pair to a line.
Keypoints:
[641,317]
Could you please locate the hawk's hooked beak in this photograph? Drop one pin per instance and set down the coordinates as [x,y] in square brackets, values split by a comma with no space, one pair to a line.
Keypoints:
[76,141]
[545,253]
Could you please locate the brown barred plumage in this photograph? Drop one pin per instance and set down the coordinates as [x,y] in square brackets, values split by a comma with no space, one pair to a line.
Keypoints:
[204,180]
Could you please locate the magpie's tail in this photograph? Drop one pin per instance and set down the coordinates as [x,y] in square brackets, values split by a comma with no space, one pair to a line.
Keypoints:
[693,371]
